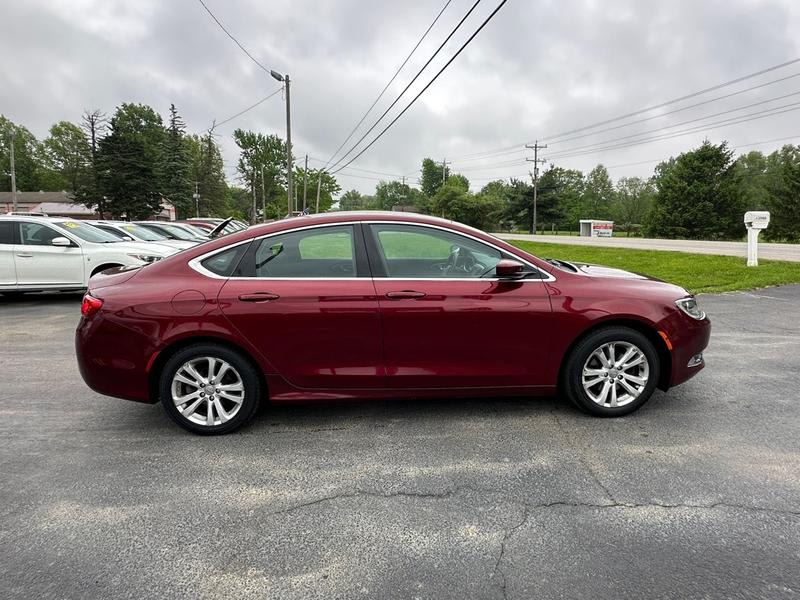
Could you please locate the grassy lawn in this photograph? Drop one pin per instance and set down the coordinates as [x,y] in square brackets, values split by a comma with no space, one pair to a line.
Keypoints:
[697,273]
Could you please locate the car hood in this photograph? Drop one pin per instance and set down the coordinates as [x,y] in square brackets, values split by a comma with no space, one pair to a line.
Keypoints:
[601,271]
[628,283]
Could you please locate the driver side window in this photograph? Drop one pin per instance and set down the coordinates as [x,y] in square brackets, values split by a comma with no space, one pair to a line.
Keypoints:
[416,252]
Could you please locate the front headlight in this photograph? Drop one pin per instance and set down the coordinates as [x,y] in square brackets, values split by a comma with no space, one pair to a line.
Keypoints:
[145,258]
[690,307]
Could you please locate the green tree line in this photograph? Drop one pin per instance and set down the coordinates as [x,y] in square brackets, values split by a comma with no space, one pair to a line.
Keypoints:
[126,164]
[700,194]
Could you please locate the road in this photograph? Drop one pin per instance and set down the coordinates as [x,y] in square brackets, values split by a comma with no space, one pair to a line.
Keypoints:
[695,496]
[771,251]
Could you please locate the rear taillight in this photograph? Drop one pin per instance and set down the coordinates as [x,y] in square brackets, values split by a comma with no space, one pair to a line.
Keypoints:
[90,305]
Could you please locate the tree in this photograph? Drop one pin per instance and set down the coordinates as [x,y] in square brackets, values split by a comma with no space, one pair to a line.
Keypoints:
[432,177]
[698,196]
[67,155]
[598,194]
[258,151]
[175,167]
[391,193]
[632,201]
[752,175]
[94,126]
[206,172]
[27,156]
[561,199]
[783,181]
[128,162]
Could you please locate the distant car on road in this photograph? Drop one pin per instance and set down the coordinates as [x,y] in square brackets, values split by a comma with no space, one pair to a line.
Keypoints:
[40,253]
[133,232]
[379,305]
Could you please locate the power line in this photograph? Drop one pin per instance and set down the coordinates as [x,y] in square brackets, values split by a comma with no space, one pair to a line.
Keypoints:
[435,77]
[386,87]
[230,35]
[677,110]
[656,130]
[551,138]
[699,128]
[410,83]
[249,108]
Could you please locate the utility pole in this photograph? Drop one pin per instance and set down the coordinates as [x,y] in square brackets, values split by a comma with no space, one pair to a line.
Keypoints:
[255,207]
[444,170]
[536,146]
[13,173]
[263,196]
[319,184]
[305,185]
[289,166]
[196,197]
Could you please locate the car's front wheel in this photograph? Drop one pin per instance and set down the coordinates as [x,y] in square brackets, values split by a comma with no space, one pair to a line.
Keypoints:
[611,372]
[209,389]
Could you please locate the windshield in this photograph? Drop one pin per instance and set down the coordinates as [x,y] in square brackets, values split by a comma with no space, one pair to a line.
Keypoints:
[87,232]
[196,231]
[179,232]
[142,233]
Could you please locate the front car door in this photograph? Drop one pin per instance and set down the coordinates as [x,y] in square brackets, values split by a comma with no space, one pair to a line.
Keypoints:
[39,263]
[305,300]
[448,321]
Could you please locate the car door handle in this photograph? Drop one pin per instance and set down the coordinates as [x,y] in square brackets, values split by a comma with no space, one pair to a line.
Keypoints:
[258,297]
[24,255]
[404,294]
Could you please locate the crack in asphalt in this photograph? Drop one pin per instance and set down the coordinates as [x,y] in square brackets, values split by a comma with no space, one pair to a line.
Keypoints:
[582,456]
[528,511]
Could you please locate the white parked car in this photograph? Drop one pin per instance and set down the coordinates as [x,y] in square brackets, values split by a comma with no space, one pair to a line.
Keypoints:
[133,232]
[43,253]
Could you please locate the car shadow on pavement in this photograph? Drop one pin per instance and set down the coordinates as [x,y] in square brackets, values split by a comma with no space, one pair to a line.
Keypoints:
[52,298]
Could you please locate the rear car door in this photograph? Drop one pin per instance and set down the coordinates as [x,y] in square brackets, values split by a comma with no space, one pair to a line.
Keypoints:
[38,262]
[305,300]
[448,321]
[8,272]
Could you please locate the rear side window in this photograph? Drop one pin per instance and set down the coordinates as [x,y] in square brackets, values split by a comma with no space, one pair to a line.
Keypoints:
[225,263]
[7,232]
[320,252]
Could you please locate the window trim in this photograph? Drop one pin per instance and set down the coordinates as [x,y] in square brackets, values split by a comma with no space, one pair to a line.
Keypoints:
[362,247]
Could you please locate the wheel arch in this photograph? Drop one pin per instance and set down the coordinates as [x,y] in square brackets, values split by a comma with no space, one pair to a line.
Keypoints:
[649,331]
[154,372]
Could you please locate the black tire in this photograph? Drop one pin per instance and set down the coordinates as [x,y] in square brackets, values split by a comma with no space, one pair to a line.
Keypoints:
[13,295]
[241,367]
[572,374]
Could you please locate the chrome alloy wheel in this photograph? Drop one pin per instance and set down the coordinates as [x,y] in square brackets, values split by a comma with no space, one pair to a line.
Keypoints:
[615,374]
[207,391]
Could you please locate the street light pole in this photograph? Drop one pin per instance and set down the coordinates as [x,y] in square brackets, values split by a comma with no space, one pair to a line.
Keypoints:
[285,79]
[13,173]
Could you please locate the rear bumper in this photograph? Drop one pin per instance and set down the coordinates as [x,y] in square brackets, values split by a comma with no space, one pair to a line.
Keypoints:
[110,362]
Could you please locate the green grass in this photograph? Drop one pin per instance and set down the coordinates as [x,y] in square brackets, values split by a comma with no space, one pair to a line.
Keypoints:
[698,273]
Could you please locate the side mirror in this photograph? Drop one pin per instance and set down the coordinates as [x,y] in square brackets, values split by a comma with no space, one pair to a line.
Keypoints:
[509,269]
[61,241]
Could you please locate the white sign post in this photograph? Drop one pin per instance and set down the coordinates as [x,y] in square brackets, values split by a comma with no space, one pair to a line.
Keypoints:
[755,221]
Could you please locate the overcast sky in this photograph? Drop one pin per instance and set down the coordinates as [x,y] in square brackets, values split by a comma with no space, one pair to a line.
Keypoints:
[540,68]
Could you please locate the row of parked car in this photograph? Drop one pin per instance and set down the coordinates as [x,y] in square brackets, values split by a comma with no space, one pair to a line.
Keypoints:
[40,253]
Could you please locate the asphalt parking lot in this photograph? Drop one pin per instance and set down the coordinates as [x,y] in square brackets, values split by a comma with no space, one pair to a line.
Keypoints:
[695,496]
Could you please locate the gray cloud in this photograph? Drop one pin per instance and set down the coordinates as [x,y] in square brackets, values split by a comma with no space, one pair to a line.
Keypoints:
[539,68]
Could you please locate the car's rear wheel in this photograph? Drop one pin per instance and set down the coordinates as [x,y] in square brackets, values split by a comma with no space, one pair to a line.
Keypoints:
[612,372]
[209,389]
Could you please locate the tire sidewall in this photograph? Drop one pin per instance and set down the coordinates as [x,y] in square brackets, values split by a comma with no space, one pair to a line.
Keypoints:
[582,351]
[252,387]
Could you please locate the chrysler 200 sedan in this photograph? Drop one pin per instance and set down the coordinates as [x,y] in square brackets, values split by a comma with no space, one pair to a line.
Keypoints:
[379,305]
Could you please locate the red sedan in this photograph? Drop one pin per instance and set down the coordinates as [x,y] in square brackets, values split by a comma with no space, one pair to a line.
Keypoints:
[378,305]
